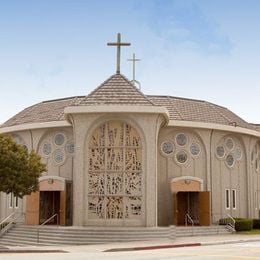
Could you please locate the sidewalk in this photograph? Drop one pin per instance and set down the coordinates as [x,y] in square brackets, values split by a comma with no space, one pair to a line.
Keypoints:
[139,245]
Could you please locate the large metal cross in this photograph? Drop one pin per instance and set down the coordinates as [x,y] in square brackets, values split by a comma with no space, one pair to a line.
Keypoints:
[134,61]
[118,44]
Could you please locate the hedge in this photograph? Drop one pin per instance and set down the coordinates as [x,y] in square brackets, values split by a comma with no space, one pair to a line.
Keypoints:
[243,224]
[224,221]
[256,223]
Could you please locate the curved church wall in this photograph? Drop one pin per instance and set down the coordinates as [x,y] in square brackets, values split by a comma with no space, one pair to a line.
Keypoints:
[229,176]
[227,163]
[181,153]
[35,139]
[56,147]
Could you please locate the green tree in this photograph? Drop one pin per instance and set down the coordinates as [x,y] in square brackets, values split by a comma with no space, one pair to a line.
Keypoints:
[19,169]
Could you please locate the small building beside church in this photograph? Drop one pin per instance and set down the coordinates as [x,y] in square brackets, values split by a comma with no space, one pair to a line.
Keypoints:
[118,157]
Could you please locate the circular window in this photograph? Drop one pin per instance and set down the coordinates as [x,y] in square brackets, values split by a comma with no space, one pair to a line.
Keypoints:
[59,156]
[181,139]
[59,139]
[46,149]
[167,147]
[230,160]
[220,151]
[181,157]
[70,147]
[194,149]
[238,153]
[229,143]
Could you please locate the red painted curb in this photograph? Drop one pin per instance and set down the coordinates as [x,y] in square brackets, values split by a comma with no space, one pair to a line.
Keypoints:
[165,246]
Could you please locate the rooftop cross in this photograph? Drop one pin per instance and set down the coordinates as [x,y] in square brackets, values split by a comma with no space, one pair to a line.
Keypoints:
[118,44]
[134,60]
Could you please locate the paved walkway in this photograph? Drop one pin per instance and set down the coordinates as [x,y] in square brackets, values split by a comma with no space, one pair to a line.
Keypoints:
[140,245]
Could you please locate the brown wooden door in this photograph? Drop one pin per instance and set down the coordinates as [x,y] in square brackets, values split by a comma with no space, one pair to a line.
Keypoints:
[50,205]
[204,208]
[62,212]
[182,205]
[32,208]
[175,209]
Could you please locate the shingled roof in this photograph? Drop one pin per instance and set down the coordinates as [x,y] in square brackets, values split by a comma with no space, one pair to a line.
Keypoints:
[199,111]
[117,90]
[46,111]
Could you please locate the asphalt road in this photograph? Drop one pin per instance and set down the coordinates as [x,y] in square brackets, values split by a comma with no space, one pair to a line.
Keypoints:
[247,250]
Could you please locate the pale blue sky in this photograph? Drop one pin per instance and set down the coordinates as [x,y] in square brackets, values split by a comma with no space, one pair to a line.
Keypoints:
[200,49]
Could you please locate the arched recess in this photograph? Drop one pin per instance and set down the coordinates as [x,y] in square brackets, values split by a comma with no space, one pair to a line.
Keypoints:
[186,183]
[182,154]
[114,175]
[56,148]
[191,203]
[255,174]
[229,176]
[51,201]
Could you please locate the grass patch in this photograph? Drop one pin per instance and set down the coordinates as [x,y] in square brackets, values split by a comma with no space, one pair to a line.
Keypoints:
[249,232]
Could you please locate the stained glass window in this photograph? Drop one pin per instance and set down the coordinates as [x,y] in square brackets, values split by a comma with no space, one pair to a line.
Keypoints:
[115,172]
[181,156]
[181,139]
[230,160]
[229,143]
[59,156]
[59,139]
[238,153]
[194,149]
[220,151]
[167,148]
[46,149]
[70,147]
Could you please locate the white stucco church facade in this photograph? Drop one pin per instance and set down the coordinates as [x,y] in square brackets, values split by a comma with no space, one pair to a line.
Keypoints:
[118,157]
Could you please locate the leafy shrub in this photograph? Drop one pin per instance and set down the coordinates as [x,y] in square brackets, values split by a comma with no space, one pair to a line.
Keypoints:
[256,223]
[224,221]
[243,224]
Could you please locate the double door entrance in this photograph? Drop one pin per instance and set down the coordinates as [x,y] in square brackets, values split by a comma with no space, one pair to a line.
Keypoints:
[192,207]
[50,206]
[53,202]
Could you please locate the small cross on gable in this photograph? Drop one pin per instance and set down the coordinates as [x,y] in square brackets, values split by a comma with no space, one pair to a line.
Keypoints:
[134,60]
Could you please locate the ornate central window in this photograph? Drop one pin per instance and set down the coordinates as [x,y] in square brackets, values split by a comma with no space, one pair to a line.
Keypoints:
[115,172]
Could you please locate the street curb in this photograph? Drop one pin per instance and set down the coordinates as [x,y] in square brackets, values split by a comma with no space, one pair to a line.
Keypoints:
[151,247]
[181,245]
[20,251]
[229,242]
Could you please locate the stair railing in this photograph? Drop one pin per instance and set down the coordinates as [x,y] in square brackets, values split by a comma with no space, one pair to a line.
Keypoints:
[9,222]
[231,223]
[44,223]
[188,218]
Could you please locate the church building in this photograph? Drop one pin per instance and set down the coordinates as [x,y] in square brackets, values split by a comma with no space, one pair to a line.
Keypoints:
[119,157]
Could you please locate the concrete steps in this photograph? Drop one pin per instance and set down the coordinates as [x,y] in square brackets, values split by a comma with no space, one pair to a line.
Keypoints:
[183,231]
[28,235]
[22,235]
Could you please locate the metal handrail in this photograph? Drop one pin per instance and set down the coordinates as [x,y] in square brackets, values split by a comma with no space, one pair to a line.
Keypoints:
[49,219]
[233,222]
[2,223]
[45,222]
[12,218]
[188,217]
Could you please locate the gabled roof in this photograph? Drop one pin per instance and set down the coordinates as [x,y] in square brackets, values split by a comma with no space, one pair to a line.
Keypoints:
[116,90]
